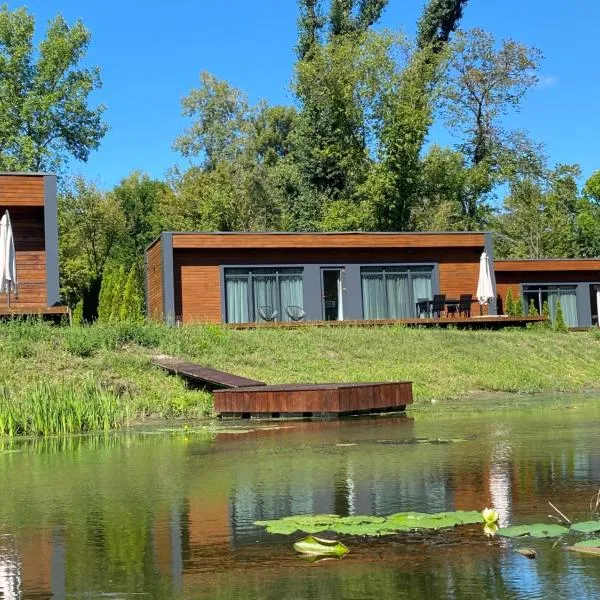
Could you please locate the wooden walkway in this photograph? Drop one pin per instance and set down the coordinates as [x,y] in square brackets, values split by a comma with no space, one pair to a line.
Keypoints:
[209,378]
[239,397]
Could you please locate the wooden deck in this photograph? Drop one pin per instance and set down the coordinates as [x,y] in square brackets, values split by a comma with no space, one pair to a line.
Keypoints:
[208,378]
[313,400]
[485,322]
[45,312]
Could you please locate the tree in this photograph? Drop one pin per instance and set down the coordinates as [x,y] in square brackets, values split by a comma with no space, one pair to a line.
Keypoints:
[131,309]
[540,217]
[44,94]
[509,309]
[591,189]
[137,197]
[407,115]
[559,318]
[90,225]
[484,84]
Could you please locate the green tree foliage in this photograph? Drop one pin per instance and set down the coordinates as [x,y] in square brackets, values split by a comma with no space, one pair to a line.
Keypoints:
[542,218]
[532,310]
[44,94]
[519,309]
[438,22]
[509,309]
[91,224]
[106,296]
[559,318]
[132,305]
[118,294]
[546,313]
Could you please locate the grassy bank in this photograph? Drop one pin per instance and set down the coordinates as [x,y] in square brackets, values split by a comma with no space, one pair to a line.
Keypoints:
[71,379]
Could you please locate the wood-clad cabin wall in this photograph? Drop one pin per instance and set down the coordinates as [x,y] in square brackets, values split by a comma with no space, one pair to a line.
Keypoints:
[197,276]
[23,197]
[154,282]
[514,280]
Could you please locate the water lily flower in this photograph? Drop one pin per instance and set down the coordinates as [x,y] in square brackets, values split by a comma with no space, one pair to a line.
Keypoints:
[490,529]
[490,515]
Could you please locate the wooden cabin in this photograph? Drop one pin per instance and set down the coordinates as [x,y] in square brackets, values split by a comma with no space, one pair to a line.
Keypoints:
[236,277]
[575,283]
[30,199]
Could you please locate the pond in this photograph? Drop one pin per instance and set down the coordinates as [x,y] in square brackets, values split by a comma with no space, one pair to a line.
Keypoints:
[169,514]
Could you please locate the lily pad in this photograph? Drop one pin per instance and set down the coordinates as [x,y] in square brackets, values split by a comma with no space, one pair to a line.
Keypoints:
[320,547]
[593,543]
[538,530]
[370,529]
[282,527]
[586,527]
[360,520]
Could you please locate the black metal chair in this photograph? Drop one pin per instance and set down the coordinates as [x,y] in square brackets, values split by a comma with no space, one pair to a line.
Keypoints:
[267,313]
[464,305]
[438,305]
[423,305]
[295,313]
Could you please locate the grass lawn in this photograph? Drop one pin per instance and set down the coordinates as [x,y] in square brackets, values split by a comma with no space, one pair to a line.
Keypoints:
[55,379]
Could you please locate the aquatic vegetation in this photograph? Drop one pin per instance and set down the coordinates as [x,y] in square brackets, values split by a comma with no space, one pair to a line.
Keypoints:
[538,530]
[490,516]
[586,526]
[372,526]
[320,547]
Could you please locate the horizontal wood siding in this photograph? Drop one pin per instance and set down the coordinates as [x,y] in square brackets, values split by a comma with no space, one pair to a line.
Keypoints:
[513,280]
[557,265]
[21,190]
[326,398]
[28,231]
[154,282]
[326,240]
[198,281]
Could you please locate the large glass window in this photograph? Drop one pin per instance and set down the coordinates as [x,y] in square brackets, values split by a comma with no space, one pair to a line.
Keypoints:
[393,292]
[263,294]
[553,294]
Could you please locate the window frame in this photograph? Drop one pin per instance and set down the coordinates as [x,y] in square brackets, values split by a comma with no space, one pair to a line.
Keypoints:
[398,269]
[278,272]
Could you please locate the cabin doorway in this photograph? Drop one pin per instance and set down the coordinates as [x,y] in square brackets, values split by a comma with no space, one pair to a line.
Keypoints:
[595,304]
[333,294]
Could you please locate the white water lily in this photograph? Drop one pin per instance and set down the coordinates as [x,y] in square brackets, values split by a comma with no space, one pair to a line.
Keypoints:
[490,515]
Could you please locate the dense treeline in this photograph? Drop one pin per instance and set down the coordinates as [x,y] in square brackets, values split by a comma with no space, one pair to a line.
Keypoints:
[354,152]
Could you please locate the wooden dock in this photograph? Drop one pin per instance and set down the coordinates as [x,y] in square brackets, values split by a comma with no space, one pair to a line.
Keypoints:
[313,400]
[211,379]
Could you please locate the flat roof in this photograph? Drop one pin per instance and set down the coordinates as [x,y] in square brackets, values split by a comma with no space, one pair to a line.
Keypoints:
[547,264]
[318,239]
[26,173]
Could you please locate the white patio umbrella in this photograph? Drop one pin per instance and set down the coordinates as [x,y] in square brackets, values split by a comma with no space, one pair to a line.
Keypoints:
[485,286]
[8,262]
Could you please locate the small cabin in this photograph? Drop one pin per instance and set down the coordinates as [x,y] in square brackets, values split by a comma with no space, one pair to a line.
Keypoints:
[31,201]
[575,283]
[240,277]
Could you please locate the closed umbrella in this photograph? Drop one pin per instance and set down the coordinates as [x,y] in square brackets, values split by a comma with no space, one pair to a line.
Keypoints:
[485,286]
[8,262]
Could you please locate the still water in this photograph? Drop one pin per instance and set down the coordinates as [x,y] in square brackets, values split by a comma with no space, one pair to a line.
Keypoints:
[159,514]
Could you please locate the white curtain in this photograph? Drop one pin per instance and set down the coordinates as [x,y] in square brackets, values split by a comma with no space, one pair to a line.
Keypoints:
[291,292]
[422,288]
[568,304]
[237,300]
[265,295]
[373,293]
[398,296]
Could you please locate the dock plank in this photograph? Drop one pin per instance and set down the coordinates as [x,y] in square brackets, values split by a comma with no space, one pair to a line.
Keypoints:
[211,378]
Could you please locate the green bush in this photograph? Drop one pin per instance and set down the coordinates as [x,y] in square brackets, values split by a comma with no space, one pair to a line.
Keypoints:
[559,318]
[509,309]
[532,310]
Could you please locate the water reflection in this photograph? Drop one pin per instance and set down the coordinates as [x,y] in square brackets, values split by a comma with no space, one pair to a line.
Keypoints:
[171,516]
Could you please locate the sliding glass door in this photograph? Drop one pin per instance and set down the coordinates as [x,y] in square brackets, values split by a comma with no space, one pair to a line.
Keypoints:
[393,292]
[566,295]
[263,294]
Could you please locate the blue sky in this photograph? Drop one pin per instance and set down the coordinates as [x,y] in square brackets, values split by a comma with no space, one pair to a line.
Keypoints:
[151,53]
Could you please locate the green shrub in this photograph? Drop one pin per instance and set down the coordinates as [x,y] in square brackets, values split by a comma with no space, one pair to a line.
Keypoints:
[518,307]
[77,315]
[532,310]
[509,309]
[559,318]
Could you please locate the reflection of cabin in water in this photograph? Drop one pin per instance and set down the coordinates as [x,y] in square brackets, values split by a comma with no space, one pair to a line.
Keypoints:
[30,199]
